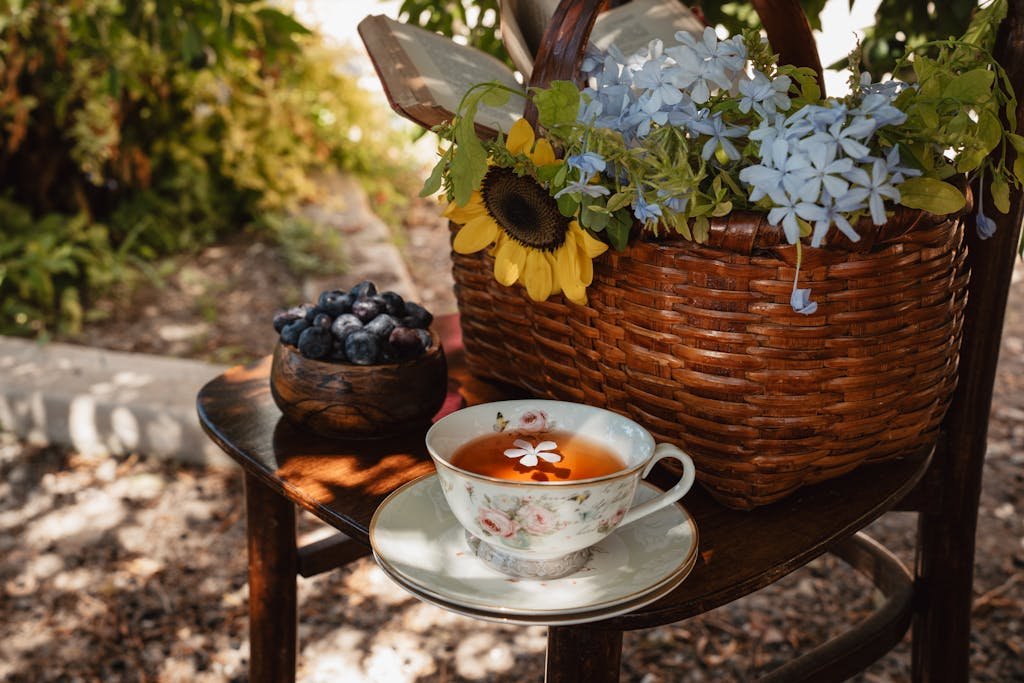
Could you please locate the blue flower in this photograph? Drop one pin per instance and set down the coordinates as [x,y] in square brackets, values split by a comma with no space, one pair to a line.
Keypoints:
[764,95]
[587,163]
[583,187]
[787,213]
[879,107]
[719,134]
[849,137]
[824,172]
[985,226]
[800,301]
[836,209]
[879,186]
[898,173]
[643,211]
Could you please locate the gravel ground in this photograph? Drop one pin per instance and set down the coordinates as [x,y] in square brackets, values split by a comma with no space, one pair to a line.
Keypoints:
[133,569]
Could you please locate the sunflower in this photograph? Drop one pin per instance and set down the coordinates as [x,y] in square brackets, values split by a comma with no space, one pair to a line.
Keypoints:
[533,242]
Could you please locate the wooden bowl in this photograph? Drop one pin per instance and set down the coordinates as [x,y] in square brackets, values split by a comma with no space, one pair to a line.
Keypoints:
[345,400]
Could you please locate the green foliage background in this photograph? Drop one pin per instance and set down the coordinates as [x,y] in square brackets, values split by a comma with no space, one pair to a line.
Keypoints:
[132,129]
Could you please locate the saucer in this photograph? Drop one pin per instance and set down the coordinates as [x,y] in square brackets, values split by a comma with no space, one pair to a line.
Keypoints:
[419,543]
[547,619]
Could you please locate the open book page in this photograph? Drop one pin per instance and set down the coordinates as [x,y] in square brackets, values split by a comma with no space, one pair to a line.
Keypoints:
[425,75]
[633,25]
[630,26]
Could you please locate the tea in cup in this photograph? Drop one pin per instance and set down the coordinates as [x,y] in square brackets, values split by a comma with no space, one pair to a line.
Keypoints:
[536,484]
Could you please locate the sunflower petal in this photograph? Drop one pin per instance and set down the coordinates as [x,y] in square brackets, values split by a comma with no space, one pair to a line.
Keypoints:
[506,265]
[543,154]
[475,235]
[591,246]
[586,266]
[464,214]
[520,137]
[537,276]
[553,264]
[568,272]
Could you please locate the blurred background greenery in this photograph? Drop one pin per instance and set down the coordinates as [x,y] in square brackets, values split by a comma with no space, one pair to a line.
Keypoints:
[135,129]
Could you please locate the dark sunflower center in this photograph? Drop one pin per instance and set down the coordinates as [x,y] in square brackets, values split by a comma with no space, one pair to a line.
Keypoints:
[524,209]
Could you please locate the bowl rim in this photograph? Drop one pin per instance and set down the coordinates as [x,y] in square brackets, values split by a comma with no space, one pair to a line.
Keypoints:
[435,348]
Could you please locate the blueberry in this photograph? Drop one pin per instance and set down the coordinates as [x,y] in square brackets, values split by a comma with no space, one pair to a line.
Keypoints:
[425,339]
[417,316]
[365,309]
[382,326]
[345,324]
[334,302]
[338,351]
[406,342]
[362,348]
[282,318]
[290,333]
[364,289]
[316,342]
[393,304]
[323,320]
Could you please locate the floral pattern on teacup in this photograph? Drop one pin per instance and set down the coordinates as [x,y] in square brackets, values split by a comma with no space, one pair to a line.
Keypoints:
[517,520]
[521,521]
[530,421]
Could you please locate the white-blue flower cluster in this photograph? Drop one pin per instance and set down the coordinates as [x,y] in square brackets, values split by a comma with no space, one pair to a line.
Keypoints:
[814,165]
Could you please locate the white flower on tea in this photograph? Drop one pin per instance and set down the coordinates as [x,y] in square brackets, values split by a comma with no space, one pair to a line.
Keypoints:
[529,455]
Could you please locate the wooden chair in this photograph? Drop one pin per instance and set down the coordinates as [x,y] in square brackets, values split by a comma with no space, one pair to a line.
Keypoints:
[343,482]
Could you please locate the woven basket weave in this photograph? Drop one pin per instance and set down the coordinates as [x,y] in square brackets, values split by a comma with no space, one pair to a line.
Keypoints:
[698,343]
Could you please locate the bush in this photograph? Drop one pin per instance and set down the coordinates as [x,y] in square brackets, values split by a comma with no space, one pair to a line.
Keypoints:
[132,130]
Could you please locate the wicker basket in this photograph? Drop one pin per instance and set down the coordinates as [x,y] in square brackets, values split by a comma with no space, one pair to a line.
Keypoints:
[699,344]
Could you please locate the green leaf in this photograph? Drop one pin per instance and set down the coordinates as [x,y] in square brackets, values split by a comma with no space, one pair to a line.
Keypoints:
[594,220]
[990,132]
[568,205]
[618,229]
[468,168]
[558,104]
[929,194]
[1018,167]
[495,97]
[619,200]
[1000,190]
[546,173]
[973,86]
[433,183]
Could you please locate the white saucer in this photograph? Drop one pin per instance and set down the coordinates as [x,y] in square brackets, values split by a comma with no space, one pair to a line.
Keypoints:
[419,543]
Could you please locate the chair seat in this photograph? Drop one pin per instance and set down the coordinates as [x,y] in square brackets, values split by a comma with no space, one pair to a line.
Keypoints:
[343,481]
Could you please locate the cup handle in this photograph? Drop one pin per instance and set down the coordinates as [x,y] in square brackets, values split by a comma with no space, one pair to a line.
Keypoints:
[663,450]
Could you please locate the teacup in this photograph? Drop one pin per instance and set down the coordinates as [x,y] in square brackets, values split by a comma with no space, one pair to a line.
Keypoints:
[546,529]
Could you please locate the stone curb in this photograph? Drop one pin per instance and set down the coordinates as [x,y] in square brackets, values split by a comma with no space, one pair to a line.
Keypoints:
[99,401]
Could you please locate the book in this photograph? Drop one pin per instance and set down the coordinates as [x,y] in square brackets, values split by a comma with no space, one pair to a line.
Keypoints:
[424,74]
[630,26]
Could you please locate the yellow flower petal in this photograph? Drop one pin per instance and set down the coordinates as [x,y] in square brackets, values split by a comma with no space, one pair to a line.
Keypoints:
[464,214]
[520,137]
[568,271]
[537,276]
[591,246]
[586,266]
[475,235]
[543,154]
[506,263]
[553,265]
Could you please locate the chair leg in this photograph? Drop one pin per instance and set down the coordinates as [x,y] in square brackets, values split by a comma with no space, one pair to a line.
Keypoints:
[582,655]
[273,562]
[942,624]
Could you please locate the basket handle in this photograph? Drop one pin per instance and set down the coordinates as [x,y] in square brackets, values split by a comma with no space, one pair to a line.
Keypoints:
[565,39]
